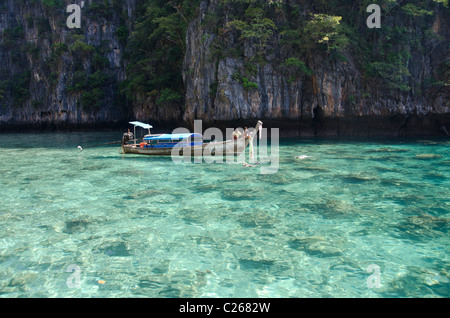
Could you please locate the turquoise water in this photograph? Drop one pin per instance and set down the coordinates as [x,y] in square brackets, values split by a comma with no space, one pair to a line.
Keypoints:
[135,226]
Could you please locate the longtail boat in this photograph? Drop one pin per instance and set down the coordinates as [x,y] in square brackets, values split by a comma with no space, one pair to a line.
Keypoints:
[183,144]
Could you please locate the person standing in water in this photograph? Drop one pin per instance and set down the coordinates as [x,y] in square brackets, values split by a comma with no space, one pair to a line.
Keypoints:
[246,133]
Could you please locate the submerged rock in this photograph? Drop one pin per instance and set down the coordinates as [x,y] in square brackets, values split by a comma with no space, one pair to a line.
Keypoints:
[256,220]
[238,193]
[20,283]
[176,283]
[357,178]
[316,246]
[419,282]
[332,208]
[422,227]
[76,225]
[251,264]
[115,249]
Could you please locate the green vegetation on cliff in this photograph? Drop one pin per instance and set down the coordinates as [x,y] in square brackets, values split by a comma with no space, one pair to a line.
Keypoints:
[293,36]
[156,48]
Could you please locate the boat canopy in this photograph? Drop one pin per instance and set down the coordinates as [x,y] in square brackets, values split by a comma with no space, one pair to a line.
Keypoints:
[172,137]
[139,124]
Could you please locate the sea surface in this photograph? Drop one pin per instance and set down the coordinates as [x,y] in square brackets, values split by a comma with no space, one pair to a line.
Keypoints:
[336,218]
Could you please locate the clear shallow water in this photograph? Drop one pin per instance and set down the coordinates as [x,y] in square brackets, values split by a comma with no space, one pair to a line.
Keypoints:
[149,227]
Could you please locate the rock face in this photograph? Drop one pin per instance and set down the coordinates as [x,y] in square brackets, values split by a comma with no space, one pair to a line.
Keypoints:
[229,101]
[37,44]
[199,72]
[71,78]
[333,100]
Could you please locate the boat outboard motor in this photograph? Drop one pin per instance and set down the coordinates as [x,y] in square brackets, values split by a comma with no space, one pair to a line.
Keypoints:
[127,137]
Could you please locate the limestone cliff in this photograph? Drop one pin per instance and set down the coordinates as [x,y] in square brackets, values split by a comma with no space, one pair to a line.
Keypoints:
[55,77]
[392,80]
[336,92]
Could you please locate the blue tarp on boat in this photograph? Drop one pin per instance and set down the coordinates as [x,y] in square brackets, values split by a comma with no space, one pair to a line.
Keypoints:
[173,145]
[172,137]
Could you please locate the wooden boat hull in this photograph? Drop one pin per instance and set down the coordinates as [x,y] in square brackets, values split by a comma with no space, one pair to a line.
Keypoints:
[233,147]
[226,148]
